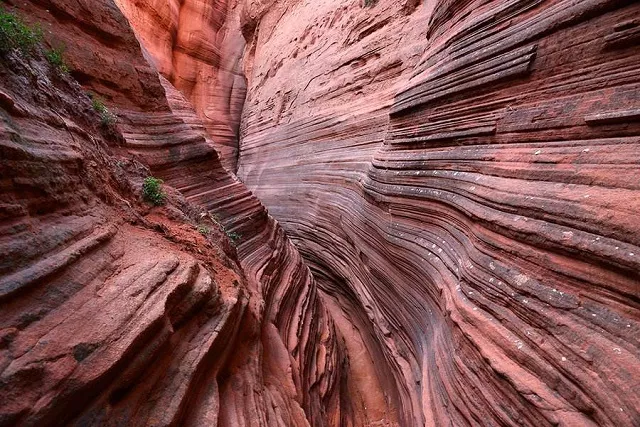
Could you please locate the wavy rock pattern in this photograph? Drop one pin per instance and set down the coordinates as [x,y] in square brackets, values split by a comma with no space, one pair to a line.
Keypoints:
[459,178]
[479,228]
[294,346]
[197,45]
[100,313]
[159,315]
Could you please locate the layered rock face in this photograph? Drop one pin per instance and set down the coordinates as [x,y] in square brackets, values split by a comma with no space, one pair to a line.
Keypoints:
[460,180]
[109,312]
[197,45]
[116,314]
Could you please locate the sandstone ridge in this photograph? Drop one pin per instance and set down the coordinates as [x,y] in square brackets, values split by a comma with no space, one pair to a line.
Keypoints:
[433,222]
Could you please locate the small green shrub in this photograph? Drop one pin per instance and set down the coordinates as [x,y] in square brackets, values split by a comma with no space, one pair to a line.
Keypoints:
[152,191]
[15,34]
[55,56]
[204,230]
[107,118]
[233,236]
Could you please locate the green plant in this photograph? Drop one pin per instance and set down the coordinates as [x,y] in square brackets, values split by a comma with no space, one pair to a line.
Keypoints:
[233,236]
[152,191]
[204,230]
[15,34]
[55,56]
[107,118]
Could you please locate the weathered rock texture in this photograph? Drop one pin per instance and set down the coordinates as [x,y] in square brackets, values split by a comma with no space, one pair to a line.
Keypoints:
[461,178]
[115,315]
[109,312]
[197,45]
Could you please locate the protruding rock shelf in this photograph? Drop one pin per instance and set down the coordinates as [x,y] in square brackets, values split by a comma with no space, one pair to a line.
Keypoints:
[434,220]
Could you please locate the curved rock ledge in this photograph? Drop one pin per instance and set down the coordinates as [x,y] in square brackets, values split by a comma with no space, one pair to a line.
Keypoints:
[102,302]
[479,226]
[287,361]
[452,235]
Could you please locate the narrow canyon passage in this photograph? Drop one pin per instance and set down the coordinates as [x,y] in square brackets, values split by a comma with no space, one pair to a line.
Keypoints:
[371,213]
[456,179]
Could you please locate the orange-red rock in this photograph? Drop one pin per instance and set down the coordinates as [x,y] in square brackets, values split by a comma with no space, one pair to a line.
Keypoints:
[197,45]
[108,309]
[459,179]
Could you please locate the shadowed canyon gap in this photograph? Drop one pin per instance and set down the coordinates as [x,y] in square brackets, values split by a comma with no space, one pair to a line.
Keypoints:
[452,235]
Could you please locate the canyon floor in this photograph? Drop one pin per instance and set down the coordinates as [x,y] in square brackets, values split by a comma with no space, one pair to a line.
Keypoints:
[358,213]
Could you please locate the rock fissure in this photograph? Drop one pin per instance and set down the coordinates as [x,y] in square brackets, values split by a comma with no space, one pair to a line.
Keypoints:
[451,235]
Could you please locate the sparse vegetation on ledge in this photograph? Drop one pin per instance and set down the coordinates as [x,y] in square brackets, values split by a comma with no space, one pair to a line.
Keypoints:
[55,56]
[152,191]
[233,236]
[16,34]
[107,118]
[204,230]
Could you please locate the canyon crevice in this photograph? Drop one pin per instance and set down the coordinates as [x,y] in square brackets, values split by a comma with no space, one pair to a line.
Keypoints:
[391,213]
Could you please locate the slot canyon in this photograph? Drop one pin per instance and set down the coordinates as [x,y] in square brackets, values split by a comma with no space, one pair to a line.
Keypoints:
[374,213]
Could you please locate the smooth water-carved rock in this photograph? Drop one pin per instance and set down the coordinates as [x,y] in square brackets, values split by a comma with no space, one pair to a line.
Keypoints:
[153,326]
[459,179]
[481,224]
[197,45]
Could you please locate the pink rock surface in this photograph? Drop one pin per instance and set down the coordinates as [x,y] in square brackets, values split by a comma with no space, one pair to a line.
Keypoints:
[452,235]
[463,178]
[197,45]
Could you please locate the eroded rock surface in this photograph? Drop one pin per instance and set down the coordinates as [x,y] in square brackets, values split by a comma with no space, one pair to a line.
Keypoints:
[197,45]
[460,180]
[150,326]
[110,312]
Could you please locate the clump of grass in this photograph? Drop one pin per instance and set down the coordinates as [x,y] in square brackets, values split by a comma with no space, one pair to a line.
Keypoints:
[152,191]
[55,56]
[107,118]
[15,34]
[204,230]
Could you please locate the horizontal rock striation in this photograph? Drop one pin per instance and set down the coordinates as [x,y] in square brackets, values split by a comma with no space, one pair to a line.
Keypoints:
[197,45]
[459,179]
[465,193]
[172,333]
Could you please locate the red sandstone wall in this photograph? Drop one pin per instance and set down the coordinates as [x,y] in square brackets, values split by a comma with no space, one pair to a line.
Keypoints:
[145,321]
[197,45]
[459,177]
[462,180]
